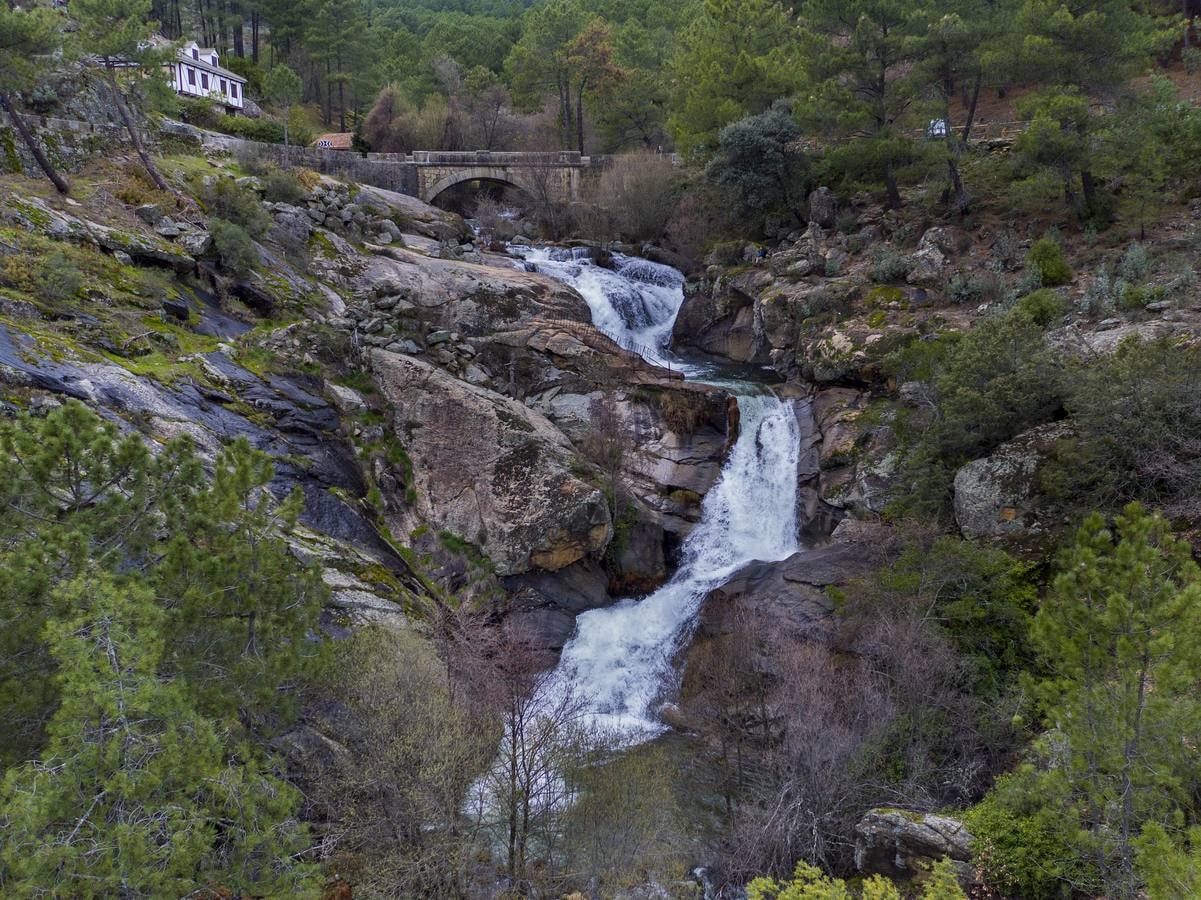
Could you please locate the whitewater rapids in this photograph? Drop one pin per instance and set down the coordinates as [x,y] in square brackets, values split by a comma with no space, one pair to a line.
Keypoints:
[619,662]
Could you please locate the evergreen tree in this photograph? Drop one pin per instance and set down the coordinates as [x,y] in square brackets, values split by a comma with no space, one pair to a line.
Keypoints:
[119,32]
[240,610]
[540,63]
[861,55]
[130,796]
[283,88]
[1077,50]
[28,39]
[1117,638]
[759,161]
[334,38]
[735,60]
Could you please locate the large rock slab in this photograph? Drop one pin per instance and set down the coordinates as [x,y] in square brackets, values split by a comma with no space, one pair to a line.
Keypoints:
[998,496]
[416,294]
[899,843]
[492,471]
[675,433]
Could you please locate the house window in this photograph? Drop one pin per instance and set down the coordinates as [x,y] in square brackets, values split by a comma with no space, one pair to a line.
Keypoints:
[195,53]
[204,81]
[223,87]
[192,77]
[233,89]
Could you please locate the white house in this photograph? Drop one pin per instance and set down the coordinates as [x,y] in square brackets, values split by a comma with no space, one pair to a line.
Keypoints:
[196,73]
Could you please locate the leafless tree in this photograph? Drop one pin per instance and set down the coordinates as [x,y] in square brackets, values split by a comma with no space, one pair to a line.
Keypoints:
[524,793]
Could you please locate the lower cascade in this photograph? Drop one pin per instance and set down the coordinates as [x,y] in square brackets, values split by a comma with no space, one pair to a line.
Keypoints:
[620,658]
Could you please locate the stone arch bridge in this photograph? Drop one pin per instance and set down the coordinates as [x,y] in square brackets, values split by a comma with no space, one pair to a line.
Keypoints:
[559,175]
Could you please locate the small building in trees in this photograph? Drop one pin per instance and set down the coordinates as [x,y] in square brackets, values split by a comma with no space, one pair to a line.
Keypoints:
[197,73]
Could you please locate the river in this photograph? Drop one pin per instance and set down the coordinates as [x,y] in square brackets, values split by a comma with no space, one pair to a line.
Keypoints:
[619,662]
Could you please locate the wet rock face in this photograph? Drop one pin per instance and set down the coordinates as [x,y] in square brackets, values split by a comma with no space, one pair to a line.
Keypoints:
[897,843]
[490,470]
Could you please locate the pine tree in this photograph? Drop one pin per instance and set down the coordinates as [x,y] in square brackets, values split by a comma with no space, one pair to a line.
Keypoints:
[861,55]
[282,87]
[242,608]
[28,38]
[1078,50]
[735,60]
[119,32]
[1118,638]
[131,796]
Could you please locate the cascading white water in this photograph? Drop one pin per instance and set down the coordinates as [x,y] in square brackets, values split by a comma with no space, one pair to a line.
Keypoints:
[620,656]
[635,302]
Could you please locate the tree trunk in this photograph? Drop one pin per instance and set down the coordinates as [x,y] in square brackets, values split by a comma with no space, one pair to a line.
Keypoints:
[60,183]
[329,99]
[565,109]
[579,116]
[134,136]
[971,110]
[254,36]
[890,185]
[1088,184]
[287,110]
[239,28]
[342,106]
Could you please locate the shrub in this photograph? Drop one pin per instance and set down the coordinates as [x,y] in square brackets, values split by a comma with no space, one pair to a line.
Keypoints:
[1099,296]
[1006,248]
[1135,264]
[639,192]
[283,187]
[1024,848]
[199,112]
[1135,417]
[234,246]
[846,221]
[888,264]
[266,130]
[1043,306]
[225,199]
[760,162]
[1131,297]
[726,253]
[976,287]
[52,278]
[1046,258]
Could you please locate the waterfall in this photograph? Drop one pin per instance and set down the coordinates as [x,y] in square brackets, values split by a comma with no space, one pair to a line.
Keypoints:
[635,302]
[620,658]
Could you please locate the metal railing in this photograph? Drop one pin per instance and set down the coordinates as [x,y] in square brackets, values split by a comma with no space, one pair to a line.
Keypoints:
[648,354]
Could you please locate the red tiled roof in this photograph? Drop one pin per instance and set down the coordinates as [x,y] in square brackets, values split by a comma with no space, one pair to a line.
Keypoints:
[335,140]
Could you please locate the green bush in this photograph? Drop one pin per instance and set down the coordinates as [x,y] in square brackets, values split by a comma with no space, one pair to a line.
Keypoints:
[1135,418]
[1136,264]
[199,112]
[888,264]
[976,287]
[225,199]
[1044,306]
[1023,847]
[234,246]
[281,187]
[58,278]
[726,253]
[1046,258]
[266,130]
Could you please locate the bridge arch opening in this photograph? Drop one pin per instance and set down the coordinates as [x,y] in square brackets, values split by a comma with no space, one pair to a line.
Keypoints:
[498,209]
[461,194]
